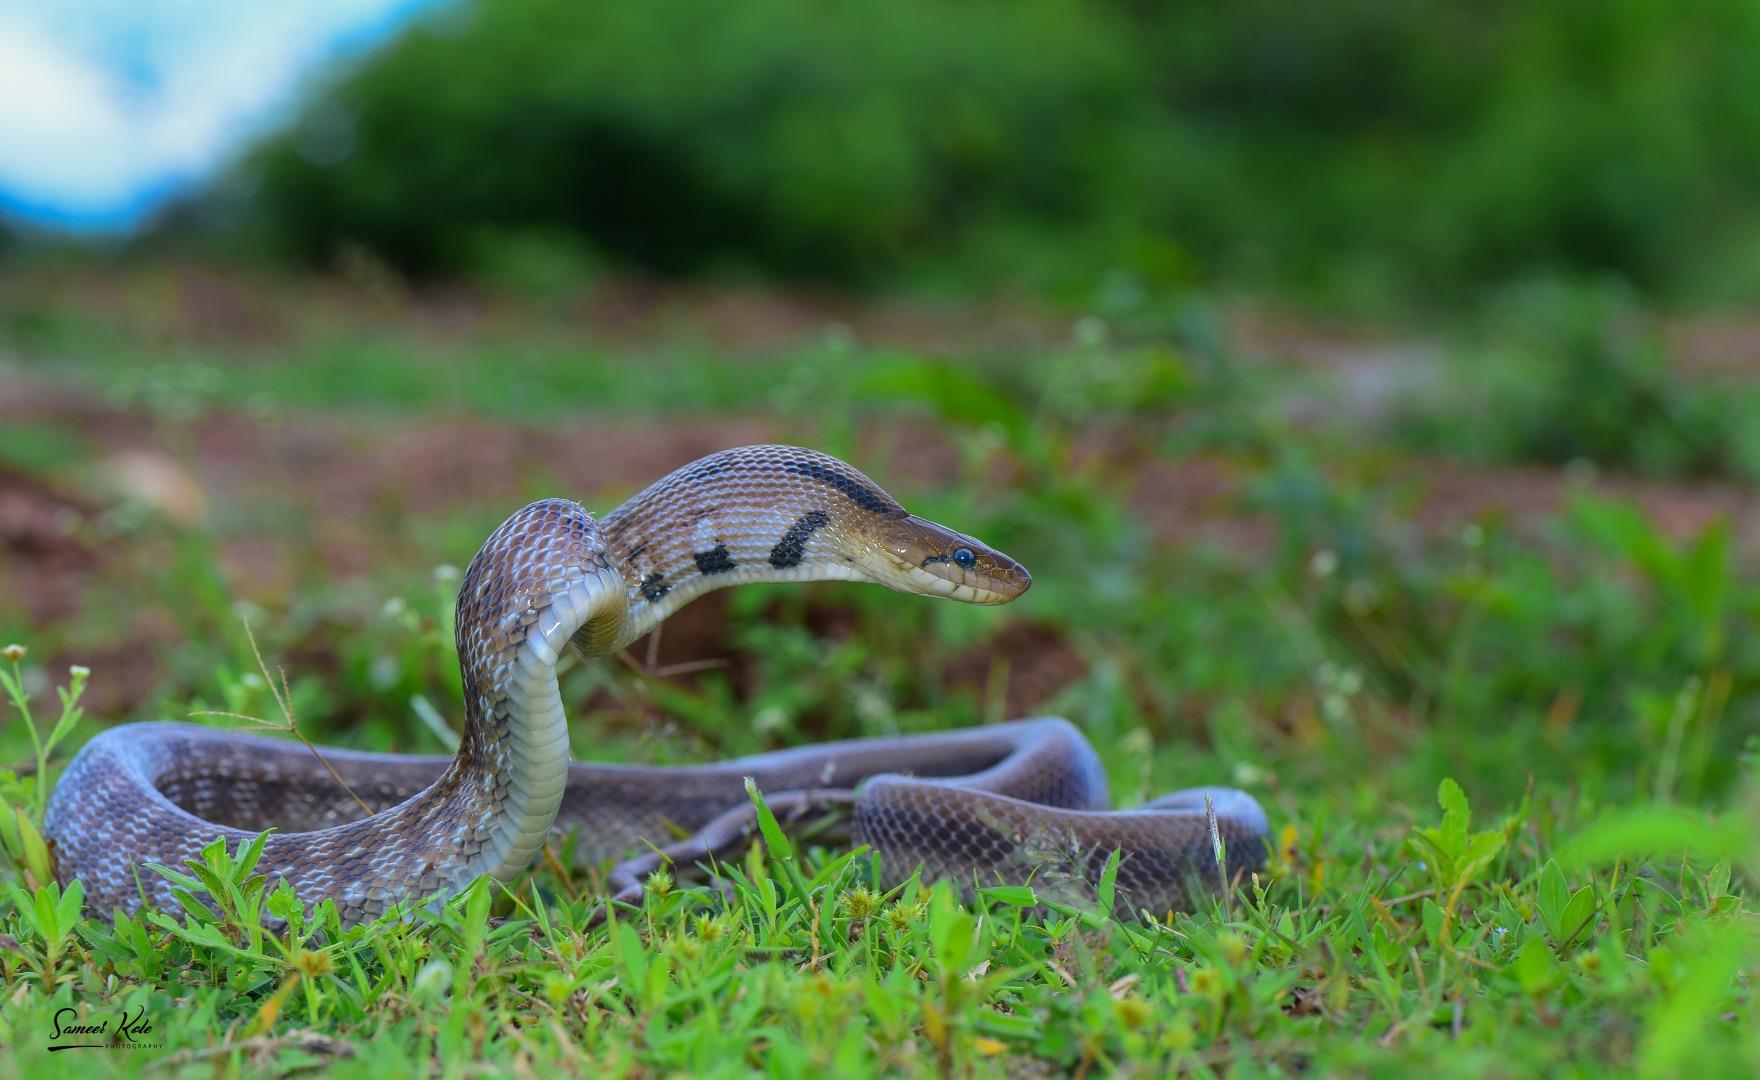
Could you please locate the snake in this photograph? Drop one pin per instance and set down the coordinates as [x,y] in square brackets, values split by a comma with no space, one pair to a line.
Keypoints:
[1017,803]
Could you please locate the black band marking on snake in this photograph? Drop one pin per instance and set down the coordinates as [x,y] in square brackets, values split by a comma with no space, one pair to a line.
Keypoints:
[654,587]
[790,549]
[859,493]
[715,561]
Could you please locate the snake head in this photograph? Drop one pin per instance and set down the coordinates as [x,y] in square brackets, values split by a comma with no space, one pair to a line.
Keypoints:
[915,555]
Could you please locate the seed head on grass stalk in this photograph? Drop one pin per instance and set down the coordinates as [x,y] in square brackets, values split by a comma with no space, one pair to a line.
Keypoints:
[12,680]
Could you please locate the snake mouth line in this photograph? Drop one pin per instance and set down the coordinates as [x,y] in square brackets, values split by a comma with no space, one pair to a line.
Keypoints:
[976,589]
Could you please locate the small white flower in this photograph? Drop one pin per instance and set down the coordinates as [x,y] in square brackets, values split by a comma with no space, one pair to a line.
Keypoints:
[383,672]
[1090,331]
[769,718]
[434,980]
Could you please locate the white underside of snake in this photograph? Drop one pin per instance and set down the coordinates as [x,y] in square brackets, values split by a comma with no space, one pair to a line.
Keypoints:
[1023,802]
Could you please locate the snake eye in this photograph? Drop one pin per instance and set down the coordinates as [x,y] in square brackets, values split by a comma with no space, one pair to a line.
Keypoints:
[964,557]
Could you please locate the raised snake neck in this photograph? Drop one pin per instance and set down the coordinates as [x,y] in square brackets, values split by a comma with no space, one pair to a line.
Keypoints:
[1007,803]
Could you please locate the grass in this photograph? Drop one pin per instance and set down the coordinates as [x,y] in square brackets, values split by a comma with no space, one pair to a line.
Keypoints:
[1513,764]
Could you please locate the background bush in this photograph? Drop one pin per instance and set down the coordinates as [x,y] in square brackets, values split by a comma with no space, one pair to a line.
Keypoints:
[1357,148]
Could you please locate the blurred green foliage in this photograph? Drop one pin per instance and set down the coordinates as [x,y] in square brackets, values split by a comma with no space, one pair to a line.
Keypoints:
[1559,376]
[1361,150]
[806,138]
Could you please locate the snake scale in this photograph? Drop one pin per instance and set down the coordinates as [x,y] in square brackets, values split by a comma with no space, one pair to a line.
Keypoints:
[1021,802]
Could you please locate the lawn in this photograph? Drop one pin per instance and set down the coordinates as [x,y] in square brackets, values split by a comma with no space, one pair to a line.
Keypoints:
[1473,615]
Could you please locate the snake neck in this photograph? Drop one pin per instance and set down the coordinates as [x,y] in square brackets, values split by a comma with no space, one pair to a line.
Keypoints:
[742,516]
[550,576]
[539,581]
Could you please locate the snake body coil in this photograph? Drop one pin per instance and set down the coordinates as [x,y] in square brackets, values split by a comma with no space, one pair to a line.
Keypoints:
[1016,802]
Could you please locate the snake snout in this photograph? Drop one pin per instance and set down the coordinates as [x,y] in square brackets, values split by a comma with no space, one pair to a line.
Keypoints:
[998,582]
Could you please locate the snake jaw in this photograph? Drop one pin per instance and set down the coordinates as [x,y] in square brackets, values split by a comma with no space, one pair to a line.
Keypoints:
[965,594]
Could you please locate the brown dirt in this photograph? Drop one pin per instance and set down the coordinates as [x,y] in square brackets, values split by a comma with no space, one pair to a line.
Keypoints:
[220,306]
[351,482]
[355,487]
[1715,345]
[1681,509]
[42,565]
[1029,663]
[337,492]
